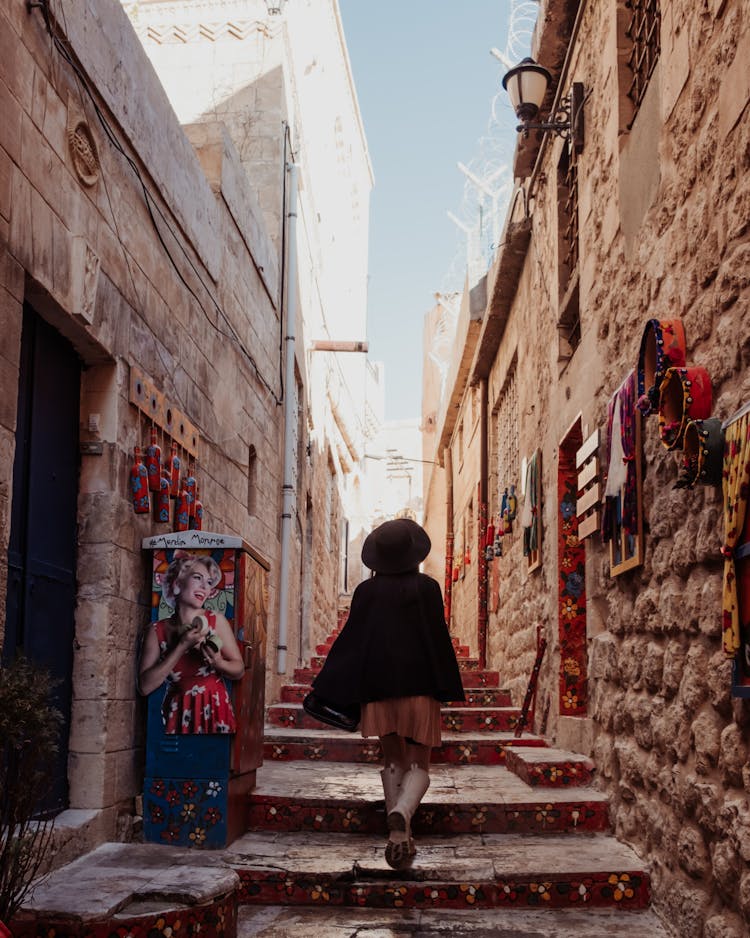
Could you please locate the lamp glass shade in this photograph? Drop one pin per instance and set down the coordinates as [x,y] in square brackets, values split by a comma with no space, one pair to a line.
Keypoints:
[526,85]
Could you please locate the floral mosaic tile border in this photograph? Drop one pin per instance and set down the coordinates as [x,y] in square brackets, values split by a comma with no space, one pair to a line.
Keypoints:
[267,813]
[622,890]
[453,720]
[354,749]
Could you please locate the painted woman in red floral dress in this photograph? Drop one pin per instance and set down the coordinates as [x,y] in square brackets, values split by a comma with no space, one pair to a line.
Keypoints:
[194,651]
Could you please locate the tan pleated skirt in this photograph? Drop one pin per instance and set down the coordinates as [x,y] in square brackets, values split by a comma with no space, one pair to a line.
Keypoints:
[415,717]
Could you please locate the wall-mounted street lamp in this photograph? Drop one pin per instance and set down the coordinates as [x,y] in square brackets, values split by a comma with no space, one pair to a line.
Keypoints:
[526,85]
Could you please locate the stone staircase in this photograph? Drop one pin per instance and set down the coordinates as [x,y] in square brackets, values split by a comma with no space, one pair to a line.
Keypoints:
[512,840]
[508,822]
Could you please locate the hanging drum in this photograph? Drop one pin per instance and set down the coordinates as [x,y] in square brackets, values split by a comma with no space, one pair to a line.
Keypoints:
[703,447]
[684,395]
[662,347]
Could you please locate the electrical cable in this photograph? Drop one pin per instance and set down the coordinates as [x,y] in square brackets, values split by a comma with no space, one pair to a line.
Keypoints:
[152,206]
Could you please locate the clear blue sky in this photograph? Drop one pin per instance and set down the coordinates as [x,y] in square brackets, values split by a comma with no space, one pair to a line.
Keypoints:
[425,81]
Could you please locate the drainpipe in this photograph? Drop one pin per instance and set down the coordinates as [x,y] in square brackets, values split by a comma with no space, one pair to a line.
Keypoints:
[482,525]
[448,592]
[287,508]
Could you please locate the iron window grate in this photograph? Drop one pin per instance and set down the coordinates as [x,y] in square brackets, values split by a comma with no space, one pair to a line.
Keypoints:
[644,32]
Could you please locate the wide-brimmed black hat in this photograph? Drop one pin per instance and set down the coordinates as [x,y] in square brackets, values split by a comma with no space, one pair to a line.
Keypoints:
[395,546]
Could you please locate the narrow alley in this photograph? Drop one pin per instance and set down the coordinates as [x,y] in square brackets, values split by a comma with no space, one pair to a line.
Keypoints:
[198,441]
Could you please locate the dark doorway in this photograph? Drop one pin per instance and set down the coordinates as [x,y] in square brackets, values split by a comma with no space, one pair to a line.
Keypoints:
[42,549]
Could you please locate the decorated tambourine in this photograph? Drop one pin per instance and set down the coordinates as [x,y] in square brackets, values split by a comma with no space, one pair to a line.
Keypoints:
[662,347]
[703,446]
[685,394]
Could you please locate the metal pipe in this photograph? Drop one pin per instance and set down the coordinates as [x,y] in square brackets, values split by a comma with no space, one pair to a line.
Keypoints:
[448,592]
[482,565]
[290,395]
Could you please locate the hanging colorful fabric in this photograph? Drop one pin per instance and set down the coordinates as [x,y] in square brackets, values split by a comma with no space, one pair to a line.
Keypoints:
[153,462]
[173,471]
[735,488]
[161,509]
[489,542]
[190,485]
[512,503]
[139,484]
[196,520]
[181,517]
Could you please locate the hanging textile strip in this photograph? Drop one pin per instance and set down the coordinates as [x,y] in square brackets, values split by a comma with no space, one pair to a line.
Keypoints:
[531,531]
[736,484]
[624,398]
[571,593]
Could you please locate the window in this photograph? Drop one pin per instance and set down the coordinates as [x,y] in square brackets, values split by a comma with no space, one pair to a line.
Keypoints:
[643,31]
[569,321]
[506,432]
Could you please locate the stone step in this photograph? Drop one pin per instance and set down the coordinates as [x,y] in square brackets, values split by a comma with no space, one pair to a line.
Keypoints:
[550,768]
[143,889]
[341,797]
[454,719]
[273,921]
[484,697]
[479,719]
[462,651]
[475,696]
[294,693]
[470,679]
[469,665]
[337,746]
[457,872]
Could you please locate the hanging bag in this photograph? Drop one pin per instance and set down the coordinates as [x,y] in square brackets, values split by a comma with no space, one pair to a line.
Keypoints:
[332,714]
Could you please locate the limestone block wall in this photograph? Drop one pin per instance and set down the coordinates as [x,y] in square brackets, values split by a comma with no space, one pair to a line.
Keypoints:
[663,214]
[203,326]
[465,456]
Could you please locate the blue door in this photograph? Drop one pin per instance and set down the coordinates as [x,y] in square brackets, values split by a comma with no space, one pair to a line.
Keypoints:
[42,549]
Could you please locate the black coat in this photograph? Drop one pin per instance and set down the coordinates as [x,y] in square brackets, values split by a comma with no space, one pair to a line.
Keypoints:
[395,643]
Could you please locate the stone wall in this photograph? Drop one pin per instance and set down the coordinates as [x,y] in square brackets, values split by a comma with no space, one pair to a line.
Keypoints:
[663,214]
[203,327]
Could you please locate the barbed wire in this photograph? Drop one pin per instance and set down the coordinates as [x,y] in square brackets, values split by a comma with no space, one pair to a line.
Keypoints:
[480,214]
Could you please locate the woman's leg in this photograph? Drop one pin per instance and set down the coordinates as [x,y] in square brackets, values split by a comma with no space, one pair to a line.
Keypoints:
[417,754]
[393,747]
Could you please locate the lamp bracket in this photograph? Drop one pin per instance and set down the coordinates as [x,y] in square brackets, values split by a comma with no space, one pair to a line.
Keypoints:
[567,119]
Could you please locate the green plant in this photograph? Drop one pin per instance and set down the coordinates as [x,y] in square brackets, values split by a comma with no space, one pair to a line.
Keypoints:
[29,730]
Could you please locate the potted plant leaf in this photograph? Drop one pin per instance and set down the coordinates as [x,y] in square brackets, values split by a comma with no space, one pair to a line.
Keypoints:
[29,730]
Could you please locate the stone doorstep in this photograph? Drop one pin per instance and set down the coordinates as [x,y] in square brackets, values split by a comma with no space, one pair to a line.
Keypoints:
[338,746]
[341,797]
[130,886]
[473,871]
[454,719]
[553,768]
[274,921]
